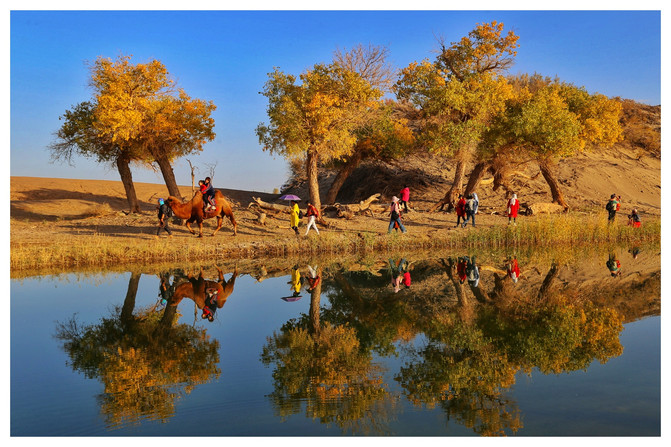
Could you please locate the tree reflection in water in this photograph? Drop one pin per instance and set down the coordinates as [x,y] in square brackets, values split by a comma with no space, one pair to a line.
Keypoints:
[145,359]
[475,343]
[324,367]
[463,330]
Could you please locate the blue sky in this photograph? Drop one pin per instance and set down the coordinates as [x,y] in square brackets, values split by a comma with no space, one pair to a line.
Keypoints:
[224,56]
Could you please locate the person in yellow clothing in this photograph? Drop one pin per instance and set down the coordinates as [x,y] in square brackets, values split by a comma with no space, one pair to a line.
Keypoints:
[295,218]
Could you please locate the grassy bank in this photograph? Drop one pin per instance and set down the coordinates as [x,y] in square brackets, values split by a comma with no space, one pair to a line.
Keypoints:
[82,252]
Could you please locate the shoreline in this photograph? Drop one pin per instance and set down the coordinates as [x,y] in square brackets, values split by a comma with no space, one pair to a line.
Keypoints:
[113,252]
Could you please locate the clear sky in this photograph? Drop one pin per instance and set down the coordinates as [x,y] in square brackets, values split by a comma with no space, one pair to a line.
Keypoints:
[225,56]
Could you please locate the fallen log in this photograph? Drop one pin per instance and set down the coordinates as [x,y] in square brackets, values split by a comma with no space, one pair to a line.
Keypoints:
[358,207]
[543,208]
[269,206]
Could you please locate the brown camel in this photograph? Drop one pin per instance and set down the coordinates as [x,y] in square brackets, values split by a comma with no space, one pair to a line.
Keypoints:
[192,211]
[201,291]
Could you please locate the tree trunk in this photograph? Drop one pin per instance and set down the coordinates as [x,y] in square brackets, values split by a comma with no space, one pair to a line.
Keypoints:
[312,165]
[450,197]
[312,168]
[557,196]
[465,310]
[315,302]
[168,175]
[547,282]
[128,307]
[340,178]
[450,268]
[193,177]
[123,165]
[476,176]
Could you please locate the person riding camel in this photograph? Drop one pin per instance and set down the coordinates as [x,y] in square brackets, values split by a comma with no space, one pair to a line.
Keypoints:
[209,193]
[210,306]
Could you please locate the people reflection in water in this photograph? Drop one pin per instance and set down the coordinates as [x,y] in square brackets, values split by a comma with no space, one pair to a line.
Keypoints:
[461,268]
[398,274]
[296,282]
[613,265]
[313,278]
[210,306]
[472,273]
[407,281]
[208,295]
[513,269]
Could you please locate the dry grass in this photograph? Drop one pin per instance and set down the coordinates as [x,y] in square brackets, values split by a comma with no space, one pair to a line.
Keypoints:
[570,230]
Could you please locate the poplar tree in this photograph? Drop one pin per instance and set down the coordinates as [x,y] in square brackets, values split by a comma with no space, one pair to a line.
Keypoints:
[314,120]
[459,93]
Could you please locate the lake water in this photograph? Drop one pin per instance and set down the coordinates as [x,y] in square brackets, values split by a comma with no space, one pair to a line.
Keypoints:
[354,351]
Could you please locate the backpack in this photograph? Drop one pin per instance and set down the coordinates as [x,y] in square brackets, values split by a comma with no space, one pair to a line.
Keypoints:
[166,210]
[609,206]
[300,214]
[470,205]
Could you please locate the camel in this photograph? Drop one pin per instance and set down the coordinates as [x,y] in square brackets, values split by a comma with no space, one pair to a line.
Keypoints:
[199,289]
[192,211]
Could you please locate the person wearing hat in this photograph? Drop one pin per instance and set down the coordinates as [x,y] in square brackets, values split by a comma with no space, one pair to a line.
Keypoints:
[395,216]
[164,212]
[612,206]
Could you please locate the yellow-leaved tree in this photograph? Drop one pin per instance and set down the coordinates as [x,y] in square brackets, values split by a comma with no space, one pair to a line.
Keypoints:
[136,115]
[315,120]
[548,119]
[459,93]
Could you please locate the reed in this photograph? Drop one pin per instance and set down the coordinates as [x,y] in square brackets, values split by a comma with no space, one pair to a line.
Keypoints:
[571,230]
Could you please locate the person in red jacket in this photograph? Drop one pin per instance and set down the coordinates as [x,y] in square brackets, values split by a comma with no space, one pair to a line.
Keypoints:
[405,197]
[407,281]
[461,269]
[513,208]
[513,269]
[312,214]
[461,209]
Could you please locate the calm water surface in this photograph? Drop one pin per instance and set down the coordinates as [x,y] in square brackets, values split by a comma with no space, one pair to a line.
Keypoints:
[357,351]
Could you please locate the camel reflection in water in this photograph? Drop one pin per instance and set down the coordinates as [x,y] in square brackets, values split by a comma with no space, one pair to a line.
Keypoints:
[209,296]
[145,359]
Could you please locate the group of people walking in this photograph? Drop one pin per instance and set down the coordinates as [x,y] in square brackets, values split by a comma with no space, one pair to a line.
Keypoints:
[297,283]
[295,215]
[466,209]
